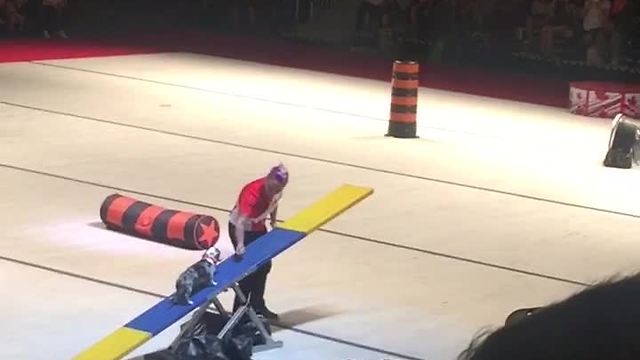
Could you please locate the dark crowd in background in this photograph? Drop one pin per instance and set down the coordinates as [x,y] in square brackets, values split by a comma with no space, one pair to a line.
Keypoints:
[598,32]
[602,34]
[44,16]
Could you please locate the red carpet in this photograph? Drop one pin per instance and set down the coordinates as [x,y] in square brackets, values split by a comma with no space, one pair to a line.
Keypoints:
[33,50]
[302,56]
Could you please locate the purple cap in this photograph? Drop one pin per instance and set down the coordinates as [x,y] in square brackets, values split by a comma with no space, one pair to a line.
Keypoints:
[280,173]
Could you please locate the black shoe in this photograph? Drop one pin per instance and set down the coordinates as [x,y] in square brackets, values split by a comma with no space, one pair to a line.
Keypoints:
[268,314]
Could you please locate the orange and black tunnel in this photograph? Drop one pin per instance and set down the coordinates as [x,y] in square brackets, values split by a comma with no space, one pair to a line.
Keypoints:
[177,228]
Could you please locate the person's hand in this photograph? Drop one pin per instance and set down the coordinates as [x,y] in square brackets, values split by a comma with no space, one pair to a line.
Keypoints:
[259,219]
[240,249]
[273,223]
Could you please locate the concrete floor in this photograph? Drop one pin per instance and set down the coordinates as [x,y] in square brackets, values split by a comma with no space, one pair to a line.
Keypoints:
[498,205]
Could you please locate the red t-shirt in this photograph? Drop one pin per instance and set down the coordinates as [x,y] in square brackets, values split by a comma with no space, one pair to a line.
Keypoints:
[253,202]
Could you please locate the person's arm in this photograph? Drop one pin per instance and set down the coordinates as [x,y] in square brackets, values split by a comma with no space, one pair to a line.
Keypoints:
[242,221]
[246,202]
[274,210]
[273,217]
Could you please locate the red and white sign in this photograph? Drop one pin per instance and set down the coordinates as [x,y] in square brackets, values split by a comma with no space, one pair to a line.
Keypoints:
[602,99]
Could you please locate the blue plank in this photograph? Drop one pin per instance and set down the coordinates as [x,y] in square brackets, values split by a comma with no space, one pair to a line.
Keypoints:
[230,271]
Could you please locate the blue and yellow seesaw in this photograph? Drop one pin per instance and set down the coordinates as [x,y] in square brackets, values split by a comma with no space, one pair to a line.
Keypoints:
[165,313]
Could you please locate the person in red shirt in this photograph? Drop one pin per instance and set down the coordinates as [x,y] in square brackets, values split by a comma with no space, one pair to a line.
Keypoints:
[257,201]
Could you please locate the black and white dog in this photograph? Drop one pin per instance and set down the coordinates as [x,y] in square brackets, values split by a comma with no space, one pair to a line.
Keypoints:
[197,277]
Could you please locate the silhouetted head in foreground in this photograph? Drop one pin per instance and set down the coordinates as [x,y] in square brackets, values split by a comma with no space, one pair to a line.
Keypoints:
[600,323]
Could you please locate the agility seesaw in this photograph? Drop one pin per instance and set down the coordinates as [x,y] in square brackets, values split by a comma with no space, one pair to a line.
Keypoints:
[165,313]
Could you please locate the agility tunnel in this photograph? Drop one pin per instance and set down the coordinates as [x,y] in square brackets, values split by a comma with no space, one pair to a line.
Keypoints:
[172,227]
[165,313]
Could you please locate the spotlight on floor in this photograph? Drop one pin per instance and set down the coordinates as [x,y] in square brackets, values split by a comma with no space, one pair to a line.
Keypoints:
[624,144]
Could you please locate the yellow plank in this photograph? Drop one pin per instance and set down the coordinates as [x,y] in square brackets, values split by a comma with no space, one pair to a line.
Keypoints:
[327,208]
[115,346]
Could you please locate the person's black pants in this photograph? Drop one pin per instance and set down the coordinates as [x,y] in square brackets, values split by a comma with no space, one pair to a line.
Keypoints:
[253,286]
[51,18]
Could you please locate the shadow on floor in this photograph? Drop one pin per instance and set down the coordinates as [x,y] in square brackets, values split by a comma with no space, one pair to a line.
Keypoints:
[304,315]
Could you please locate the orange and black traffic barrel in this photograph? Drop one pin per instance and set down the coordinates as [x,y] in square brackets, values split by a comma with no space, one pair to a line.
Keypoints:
[172,227]
[404,99]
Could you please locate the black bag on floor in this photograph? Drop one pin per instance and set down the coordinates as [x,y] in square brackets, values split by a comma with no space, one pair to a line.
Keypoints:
[207,348]
[202,347]
[250,330]
[192,349]
[204,344]
[239,347]
[212,323]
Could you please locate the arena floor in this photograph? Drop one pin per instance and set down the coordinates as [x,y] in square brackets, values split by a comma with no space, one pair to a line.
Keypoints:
[498,205]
